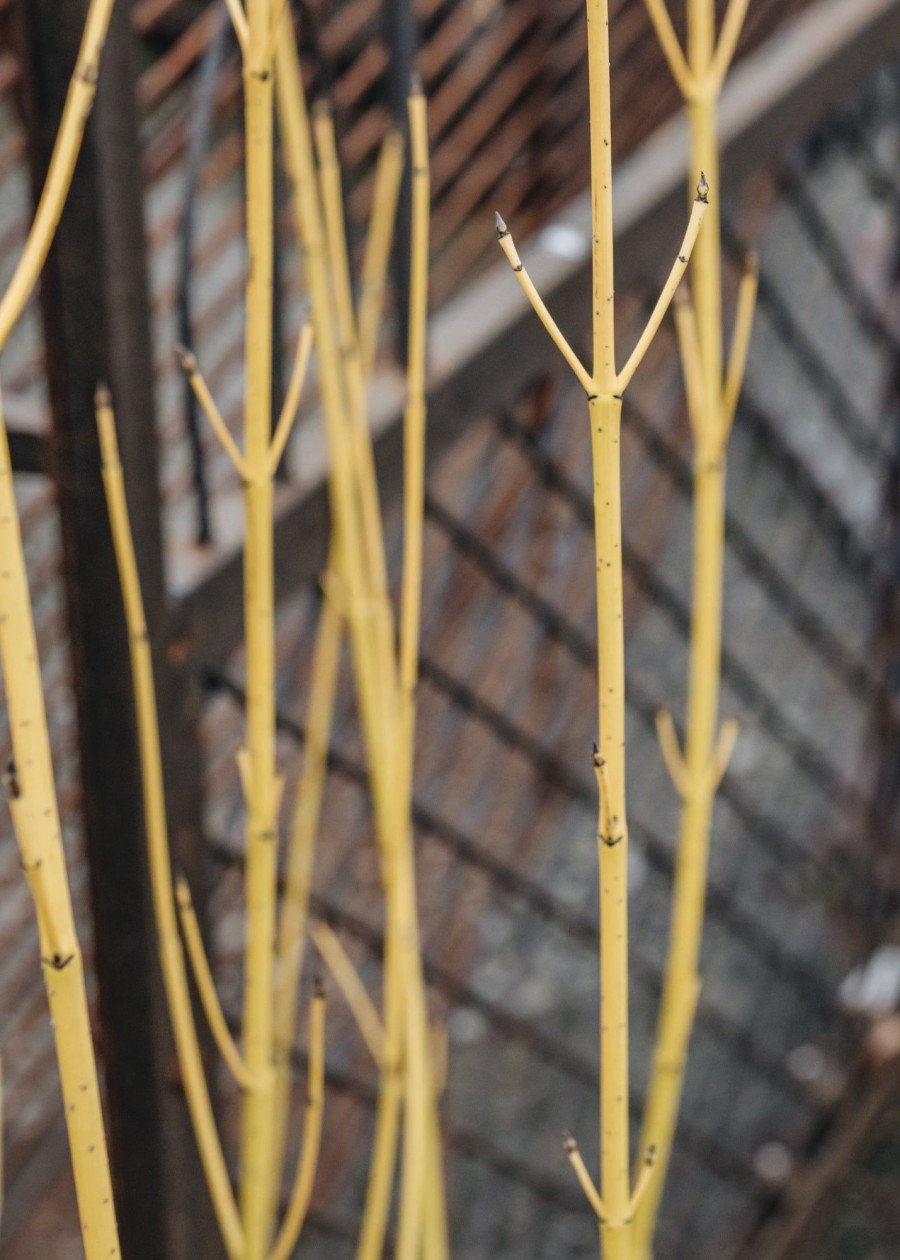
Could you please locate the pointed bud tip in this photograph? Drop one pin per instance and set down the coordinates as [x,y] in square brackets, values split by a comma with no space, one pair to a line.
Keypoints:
[703,188]
[415,84]
[500,223]
[102,396]
[318,986]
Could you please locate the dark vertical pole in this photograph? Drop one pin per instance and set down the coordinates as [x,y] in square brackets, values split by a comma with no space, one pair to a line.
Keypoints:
[95,311]
[402,35]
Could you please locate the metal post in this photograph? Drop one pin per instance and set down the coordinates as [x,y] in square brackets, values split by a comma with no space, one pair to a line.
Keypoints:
[95,310]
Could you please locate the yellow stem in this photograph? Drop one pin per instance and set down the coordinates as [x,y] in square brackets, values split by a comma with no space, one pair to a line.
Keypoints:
[672,755]
[691,360]
[740,346]
[292,397]
[257,1164]
[698,212]
[207,403]
[388,178]
[209,999]
[170,952]
[712,407]
[585,1180]
[301,1192]
[605,418]
[299,161]
[732,24]
[33,805]
[301,850]
[346,977]
[668,42]
[239,22]
[603,314]
[508,245]
[79,99]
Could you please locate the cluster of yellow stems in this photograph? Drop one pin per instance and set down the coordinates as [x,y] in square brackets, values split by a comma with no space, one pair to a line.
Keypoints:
[627,1205]
[384,651]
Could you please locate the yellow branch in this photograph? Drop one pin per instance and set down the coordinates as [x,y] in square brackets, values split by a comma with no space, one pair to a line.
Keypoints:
[507,244]
[388,177]
[301,851]
[79,100]
[740,346]
[170,953]
[679,267]
[209,999]
[292,397]
[712,405]
[195,379]
[728,40]
[668,42]
[301,1192]
[585,1180]
[239,22]
[691,361]
[346,977]
[33,805]
[672,755]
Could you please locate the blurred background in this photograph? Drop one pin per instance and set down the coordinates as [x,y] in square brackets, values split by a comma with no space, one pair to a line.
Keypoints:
[790,1137]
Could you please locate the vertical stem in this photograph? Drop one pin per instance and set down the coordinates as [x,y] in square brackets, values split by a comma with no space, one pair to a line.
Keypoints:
[262,786]
[601,193]
[605,418]
[36,823]
[681,986]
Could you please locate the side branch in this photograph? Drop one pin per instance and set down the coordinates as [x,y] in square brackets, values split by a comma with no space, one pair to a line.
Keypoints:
[386,192]
[292,397]
[209,999]
[691,360]
[740,344]
[647,1165]
[301,1192]
[672,50]
[79,101]
[507,244]
[171,957]
[698,212]
[195,379]
[732,24]
[346,977]
[239,22]
[570,1146]
[672,754]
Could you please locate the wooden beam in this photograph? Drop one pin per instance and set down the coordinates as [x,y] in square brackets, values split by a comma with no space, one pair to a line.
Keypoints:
[486,344]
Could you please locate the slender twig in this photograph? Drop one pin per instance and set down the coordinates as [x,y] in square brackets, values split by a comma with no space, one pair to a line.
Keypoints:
[346,977]
[206,988]
[385,194]
[679,267]
[301,1191]
[76,111]
[292,397]
[189,366]
[507,244]
[740,345]
[170,952]
[573,1154]
[669,43]
[732,24]
[712,404]
[239,22]
[672,755]
[691,361]
[643,1180]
